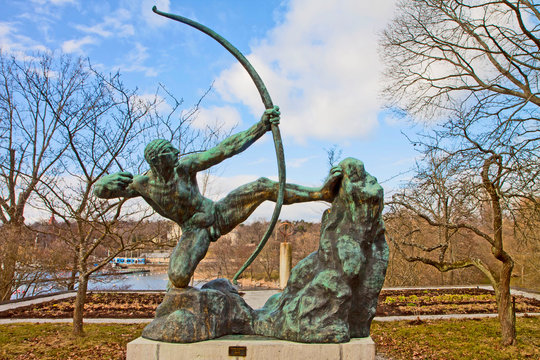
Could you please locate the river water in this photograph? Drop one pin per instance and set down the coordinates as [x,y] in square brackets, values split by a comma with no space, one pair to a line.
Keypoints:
[146,281]
[135,281]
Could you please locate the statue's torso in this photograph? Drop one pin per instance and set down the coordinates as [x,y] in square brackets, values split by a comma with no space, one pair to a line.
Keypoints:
[177,199]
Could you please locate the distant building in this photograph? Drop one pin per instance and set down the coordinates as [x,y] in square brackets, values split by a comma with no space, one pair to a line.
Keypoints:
[233,236]
[157,257]
[175,233]
[128,261]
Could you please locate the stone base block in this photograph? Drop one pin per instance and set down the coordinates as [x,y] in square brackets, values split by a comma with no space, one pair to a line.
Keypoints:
[242,347]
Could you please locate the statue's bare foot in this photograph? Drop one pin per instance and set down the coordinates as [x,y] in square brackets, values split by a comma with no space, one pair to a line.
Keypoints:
[332,182]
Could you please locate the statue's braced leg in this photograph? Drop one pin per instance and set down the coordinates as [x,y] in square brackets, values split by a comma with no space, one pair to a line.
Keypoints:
[240,203]
[187,254]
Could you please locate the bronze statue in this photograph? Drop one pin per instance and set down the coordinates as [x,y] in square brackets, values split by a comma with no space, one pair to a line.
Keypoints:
[170,187]
[331,295]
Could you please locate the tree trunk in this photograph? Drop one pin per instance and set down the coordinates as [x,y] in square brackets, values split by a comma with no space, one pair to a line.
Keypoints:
[507,312]
[78,312]
[7,271]
[507,315]
[9,256]
[73,276]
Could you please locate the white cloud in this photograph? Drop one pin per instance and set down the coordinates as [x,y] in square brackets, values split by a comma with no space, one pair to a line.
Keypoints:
[309,211]
[5,29]
[135,61]
[54,2]
[259,161]
[11,42]
[75,46]
[47,11]
[149,16]
[162,106]
[224,118]
[218,186]
[63,2]
[299,162]
[321,66]
[112,25]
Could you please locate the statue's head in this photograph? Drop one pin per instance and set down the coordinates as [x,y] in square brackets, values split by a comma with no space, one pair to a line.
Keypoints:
[160,153]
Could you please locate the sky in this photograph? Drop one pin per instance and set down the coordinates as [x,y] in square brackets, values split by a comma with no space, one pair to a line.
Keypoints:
[318,59]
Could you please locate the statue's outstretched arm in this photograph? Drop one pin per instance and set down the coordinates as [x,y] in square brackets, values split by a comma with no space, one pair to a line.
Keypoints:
[232,145]
[115,185]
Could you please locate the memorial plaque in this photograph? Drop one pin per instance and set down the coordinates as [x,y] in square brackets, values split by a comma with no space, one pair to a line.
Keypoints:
[237,351]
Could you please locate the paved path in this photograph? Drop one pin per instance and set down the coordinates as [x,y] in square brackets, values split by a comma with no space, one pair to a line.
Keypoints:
[257,298]
[145,321]
[445,317]
[526,294]
[69,320]
[17,304]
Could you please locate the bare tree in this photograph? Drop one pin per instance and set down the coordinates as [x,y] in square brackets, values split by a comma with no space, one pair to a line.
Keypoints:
[439,53]
[95,142]
[333,154]
[37,95]
[473,66]
[99,145]
[441,193]
[64,125]
[305,239]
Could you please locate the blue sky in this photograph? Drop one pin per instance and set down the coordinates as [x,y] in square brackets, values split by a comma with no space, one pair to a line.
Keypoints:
[318,59]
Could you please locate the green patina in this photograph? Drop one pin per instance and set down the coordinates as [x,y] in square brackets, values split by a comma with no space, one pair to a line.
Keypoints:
[332,294]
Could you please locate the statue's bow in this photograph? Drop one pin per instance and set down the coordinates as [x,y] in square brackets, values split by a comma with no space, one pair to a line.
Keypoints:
[265,96]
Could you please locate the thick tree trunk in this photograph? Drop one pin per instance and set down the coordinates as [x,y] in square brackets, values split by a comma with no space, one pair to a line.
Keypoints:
[9,256]
[78,312]
[73,276]
[507,315]
[7,273]
[507,312]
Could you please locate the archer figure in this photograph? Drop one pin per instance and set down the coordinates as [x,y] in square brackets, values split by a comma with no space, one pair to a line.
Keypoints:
[170,187]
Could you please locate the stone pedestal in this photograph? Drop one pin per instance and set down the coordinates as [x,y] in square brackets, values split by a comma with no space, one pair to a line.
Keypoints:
[250,347]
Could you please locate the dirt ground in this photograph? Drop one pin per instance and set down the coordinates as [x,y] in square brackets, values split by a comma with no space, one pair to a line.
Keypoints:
[391,302]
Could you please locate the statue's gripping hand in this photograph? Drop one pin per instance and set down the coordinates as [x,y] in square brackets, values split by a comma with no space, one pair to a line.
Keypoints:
[114,185]
[332,183]
[271,117]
